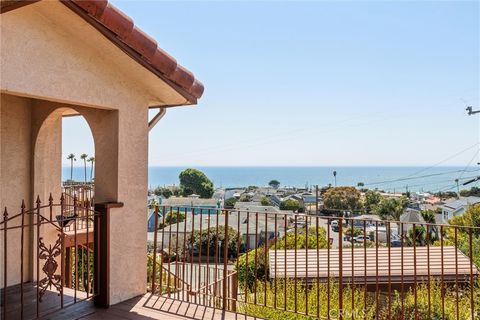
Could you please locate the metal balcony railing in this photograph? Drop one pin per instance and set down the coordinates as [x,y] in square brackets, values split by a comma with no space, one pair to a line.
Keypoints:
[282,265]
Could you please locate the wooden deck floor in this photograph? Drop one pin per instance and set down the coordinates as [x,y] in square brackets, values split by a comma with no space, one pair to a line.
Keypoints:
[141,308]
[154,307]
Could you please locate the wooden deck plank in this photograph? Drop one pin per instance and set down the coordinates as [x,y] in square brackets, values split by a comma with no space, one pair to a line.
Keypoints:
[162,308]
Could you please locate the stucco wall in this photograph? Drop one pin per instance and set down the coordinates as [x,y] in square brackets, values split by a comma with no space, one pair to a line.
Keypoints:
[54,65]
[15,175]
[58,61]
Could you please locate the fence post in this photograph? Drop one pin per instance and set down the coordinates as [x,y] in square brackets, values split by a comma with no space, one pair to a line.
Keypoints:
[234,287]
[101,256]
[225,263]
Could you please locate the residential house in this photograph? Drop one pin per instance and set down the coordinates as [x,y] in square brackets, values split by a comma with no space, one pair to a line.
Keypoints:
[456,207]
[192,202]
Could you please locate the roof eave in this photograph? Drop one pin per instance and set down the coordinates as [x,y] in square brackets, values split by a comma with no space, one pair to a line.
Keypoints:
[190,98]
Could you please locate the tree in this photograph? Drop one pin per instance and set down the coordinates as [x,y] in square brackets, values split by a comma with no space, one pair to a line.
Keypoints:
[172,217]
[72,158]
[230,203]
[372,199]
[325,189]
[274,184]
[429,217]
[265,201]
[445,195]
[342,198]
[84,157]
[213,241]
[356,231]
[470,218]
[92,163]
[335,177]
[473,192]
[193,181]
[289,204]
[391,208]
[164,192]
[417,236]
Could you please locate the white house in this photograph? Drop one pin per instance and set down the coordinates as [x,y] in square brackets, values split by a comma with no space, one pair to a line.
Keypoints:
[457,207]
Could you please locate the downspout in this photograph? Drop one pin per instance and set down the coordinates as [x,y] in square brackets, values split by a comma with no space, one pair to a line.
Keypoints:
[161,112]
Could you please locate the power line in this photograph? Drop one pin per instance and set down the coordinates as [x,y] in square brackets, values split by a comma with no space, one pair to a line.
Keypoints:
[418,177]
[443,161]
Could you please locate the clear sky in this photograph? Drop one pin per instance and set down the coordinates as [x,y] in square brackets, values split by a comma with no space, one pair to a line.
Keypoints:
[315,83]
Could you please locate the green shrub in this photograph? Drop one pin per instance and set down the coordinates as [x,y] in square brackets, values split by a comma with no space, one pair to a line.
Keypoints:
[230,203]
[289,204]
[265,201]
[449,299]
[172,217]
[209,240]
[319,299]
[248,274]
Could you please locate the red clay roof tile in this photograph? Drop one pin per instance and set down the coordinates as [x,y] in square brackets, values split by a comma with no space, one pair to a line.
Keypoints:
[94,8]
[117,21]
[122,25]
[183,77]
[197,88]
[164,62]
[142,43]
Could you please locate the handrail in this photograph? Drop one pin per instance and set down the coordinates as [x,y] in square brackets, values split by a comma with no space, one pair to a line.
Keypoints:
[160,264]
[216,282]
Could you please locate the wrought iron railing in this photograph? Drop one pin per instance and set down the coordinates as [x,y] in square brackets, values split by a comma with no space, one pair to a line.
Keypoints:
[277,264]
[48,257]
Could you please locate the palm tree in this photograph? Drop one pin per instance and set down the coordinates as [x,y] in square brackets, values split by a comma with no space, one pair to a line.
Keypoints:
[416,236]
[71,157]
[92,161]
[429,217]
[335,177]
[84,157]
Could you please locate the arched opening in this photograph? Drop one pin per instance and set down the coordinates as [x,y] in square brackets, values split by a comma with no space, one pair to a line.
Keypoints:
[63,173]
[64,154]
[78,151]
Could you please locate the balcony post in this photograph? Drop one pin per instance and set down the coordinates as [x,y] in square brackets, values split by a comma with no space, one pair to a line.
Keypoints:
[101,255]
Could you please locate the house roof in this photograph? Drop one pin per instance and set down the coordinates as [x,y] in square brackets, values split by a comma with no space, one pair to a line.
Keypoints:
[462,202]
[189,202]
[121,30]
[442,264]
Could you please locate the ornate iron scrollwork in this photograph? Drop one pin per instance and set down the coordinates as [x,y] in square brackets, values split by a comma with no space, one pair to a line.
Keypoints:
[50,267]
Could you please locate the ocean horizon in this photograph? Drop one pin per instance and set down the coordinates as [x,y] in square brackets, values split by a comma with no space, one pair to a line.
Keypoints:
[388,178]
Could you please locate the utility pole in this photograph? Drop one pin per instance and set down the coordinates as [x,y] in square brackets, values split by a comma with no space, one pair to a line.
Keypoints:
[470,111]
[458,188]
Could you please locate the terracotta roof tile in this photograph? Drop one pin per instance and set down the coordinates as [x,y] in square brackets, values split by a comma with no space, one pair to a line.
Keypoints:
[123,27]
[164,62]
[94,8]
[142,43]
[116,21]
[183,77]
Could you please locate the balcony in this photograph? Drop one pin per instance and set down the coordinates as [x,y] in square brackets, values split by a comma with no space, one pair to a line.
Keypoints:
[226,264]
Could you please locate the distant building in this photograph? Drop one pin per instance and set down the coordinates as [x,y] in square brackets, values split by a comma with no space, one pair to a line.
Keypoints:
[410,217]
[457,207]
[254,227]
[186,203]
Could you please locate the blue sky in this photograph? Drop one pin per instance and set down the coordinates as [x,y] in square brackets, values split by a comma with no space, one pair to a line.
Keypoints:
[315,83]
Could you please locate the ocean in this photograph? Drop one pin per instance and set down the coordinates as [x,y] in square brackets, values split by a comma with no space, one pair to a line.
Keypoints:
[390,179]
